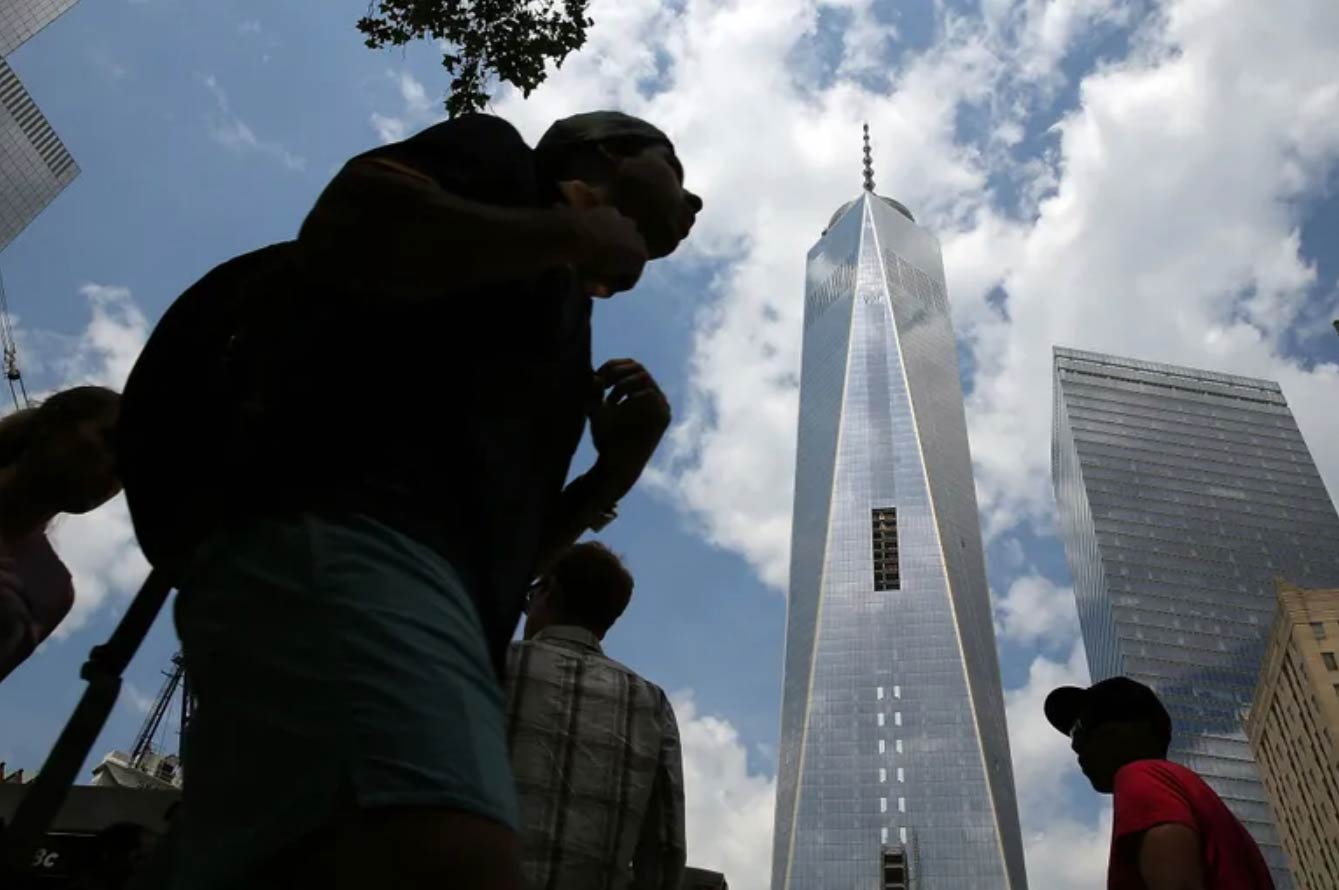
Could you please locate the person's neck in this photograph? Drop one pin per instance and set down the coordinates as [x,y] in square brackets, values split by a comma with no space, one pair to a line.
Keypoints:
[24,508]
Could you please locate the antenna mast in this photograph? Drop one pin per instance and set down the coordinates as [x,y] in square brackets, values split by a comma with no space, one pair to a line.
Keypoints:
[869,164]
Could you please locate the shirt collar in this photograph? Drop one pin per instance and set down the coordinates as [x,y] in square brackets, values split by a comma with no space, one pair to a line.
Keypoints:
[569,636]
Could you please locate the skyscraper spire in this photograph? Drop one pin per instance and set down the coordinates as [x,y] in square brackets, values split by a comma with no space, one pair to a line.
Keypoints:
[869,164]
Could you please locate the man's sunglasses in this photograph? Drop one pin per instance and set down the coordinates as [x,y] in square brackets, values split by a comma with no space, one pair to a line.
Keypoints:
[532,591]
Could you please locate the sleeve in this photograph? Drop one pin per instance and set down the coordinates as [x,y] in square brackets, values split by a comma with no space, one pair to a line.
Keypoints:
[475,156]
[19,631]
[1147,794]
[662,849]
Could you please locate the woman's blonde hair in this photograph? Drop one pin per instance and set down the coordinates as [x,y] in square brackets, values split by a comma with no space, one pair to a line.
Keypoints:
[68,407]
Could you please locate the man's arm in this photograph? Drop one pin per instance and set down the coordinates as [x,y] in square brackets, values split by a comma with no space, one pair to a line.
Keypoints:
[626,426]
[449,210]
[389,227]
[1170,858]
[662,847]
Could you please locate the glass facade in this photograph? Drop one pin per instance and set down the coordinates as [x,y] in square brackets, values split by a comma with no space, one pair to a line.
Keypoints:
[21,19]
[893,739]
[1183,494]
[34,164]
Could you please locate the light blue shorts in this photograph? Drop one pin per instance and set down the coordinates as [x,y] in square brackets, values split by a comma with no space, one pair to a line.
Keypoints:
[332,658]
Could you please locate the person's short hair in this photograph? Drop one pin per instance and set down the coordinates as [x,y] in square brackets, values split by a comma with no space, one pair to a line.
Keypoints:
[67,408]
[576,146]
[579,160]
[589,586]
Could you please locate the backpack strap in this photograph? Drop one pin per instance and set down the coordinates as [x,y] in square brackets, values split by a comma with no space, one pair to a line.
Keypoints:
[402,169]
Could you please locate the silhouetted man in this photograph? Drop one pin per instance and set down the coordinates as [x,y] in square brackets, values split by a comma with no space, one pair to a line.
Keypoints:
[1172,832]
[594,746]
[421,371]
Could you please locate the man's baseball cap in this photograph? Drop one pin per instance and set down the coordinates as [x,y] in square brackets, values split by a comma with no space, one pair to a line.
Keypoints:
[598,126]
[1117,698]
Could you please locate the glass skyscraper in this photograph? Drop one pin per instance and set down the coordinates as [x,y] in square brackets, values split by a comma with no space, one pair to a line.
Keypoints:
[894,763]
[34,164]
[21,19]
[1183,495]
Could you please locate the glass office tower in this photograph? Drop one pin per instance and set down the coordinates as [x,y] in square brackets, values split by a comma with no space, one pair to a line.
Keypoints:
[21,19]
[894,763]
[1183,494]
[34,164]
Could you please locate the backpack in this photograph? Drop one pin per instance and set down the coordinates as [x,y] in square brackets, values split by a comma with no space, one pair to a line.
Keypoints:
[193,413]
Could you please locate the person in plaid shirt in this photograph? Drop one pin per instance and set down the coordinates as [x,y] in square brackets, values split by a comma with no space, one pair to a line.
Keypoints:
[594,746]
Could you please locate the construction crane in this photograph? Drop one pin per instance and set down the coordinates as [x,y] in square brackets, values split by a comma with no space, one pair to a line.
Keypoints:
[9,353]
[156,721]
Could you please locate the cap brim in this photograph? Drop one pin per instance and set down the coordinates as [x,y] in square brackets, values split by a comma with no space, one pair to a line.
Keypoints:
[1063,707]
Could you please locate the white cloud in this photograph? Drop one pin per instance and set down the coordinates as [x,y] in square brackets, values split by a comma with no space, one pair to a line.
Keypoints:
[99,548]
[729,809]
[1036,610]
[1168,194]
[230,131]
[250,26]
[1063,852]
[417,111]
[136,699]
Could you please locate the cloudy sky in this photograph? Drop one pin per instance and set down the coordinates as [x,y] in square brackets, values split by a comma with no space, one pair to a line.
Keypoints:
[1152,179]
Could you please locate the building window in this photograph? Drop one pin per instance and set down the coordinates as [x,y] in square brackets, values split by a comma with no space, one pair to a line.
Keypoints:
[1318,630]
[901,804]
[879,694]
[1330,663]
[902,833]
[897,692]
[897,717]
[895,867]
[881,720]
[883,804]
[887,575]
[883,774]
[881,746]
[901,776]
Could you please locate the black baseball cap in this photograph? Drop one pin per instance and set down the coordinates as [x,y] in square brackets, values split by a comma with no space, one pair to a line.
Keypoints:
[598,126]
[1117,698]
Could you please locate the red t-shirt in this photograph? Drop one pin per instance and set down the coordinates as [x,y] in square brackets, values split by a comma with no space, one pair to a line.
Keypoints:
[1156,792]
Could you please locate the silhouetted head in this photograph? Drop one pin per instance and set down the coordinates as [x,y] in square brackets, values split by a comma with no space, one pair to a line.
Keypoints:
[588,587]
[63,450]
[1110,724]
[631,165]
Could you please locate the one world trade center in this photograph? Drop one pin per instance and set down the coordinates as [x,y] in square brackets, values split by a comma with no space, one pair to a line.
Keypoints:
[894,765]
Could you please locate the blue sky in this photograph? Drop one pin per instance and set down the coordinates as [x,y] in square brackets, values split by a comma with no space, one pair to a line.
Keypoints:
[1153,179]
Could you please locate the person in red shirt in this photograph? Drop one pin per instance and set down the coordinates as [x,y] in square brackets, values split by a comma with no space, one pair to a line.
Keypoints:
[1171,832]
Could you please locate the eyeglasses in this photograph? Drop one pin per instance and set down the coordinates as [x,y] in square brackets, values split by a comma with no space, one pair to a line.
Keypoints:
[531,592]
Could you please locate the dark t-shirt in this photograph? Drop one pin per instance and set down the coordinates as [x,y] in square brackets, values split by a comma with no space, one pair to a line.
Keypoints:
[457,418]
[1149,793]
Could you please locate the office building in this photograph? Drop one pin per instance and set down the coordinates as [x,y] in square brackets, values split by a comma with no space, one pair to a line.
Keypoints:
[21,19]
[1293,726]
[894,761]
[34,164]
[1182,494]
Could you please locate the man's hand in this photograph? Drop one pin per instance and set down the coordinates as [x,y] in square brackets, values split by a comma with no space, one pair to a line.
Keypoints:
[609,252]
[628,416]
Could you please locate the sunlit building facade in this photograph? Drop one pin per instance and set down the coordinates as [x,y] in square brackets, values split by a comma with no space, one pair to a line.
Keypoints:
[894,762]
[34,164]
[1293,726]
[1182,495]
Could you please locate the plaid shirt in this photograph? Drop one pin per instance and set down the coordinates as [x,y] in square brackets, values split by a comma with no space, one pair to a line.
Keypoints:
[595,751]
